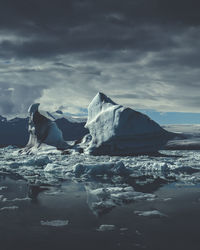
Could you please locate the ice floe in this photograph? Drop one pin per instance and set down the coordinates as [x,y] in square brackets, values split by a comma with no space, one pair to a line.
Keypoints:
[10,208]
[152,213]
[20,199]
[51,168]
[100,169]
[55,223]
[109,181]
[179,165]
[2,198]
[104,227]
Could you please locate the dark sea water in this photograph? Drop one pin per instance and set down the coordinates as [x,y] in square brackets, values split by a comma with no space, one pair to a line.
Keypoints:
[21,227]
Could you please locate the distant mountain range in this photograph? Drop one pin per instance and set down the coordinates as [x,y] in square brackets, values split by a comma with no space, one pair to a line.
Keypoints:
[15,131]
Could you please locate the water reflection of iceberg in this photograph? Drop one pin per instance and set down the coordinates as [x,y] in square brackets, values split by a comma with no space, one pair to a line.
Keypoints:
[102,198]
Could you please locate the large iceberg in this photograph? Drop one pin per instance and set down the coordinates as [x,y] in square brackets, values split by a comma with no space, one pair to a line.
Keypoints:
[43,130]
[118,130]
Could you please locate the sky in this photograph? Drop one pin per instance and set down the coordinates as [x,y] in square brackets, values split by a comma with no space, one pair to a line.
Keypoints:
[143,54]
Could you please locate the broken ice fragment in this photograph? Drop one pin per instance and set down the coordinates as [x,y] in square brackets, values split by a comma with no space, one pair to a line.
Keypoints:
[105,227]
[55,223]
[152,213]
[9,208]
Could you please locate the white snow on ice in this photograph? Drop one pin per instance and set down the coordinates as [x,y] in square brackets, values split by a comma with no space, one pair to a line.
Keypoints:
[55,223]
[49,164]
[118,130]
[105,227]
[152,213]
[50,167]
[10,208]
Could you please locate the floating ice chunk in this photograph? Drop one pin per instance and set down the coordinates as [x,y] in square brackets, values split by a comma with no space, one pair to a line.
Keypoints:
[144,196]
[151,199]
[41,160]
[142,170]
[102,206]
[105,227]
[55,223]
[117,168]
[3,188]
[167,199]
[9,208]
[152,213]
[163,166]
[51,168]
[14,200]
[99,192]
[130,196]
[20,199]
[3,199]
[153,166]
[32,161]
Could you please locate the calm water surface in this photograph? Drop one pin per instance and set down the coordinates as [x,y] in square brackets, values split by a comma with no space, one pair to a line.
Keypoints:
[21,228]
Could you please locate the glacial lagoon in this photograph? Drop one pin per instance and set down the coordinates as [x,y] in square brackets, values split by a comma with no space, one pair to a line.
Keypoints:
[51,200]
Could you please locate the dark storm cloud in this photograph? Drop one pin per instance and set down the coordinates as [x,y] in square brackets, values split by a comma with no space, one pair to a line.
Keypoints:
[57,27]
[133,50]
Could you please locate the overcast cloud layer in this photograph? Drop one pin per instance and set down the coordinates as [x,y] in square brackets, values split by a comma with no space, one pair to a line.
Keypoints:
[142,53]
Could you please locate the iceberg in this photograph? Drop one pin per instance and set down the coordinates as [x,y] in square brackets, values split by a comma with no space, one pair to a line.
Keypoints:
[118,130]
[43,130]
